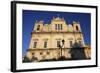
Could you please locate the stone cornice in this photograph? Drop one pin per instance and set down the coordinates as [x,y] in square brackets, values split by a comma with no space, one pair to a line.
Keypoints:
[55,32]
[54,48]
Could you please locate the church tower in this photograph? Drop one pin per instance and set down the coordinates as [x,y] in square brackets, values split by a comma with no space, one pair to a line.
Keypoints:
[79,36]
[38,26]
[76,26]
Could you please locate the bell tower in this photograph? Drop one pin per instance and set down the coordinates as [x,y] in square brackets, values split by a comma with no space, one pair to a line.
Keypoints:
[76,26]
[38,26]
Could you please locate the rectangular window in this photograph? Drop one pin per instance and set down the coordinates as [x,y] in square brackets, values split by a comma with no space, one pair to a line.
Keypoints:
[45,44]
[35,45]
[71,43]
[61,26]
[58,26]
[58,43]
[55,26]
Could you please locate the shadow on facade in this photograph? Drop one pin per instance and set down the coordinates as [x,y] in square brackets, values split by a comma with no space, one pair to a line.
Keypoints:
[77,53]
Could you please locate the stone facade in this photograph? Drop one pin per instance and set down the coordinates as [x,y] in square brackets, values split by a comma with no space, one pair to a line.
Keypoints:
[46,38]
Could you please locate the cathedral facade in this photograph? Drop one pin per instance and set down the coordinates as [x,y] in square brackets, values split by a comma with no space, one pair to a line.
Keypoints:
[54,40]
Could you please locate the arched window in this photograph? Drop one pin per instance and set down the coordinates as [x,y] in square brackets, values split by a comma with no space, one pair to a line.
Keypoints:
[35,44]
[38,28]
[45,44]
[77,28]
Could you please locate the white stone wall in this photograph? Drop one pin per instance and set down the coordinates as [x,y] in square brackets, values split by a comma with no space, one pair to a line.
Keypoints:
[47,32]
[52,39]
[53,54]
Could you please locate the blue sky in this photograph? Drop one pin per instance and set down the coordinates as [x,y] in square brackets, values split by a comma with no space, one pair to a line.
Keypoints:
[30,16]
